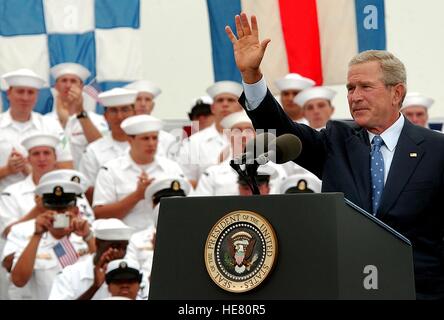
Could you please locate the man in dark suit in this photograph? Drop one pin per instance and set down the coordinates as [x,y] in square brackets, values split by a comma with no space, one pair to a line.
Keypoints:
[381,162]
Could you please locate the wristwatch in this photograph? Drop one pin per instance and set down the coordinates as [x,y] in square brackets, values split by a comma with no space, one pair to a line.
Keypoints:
[82,115]
[89,236]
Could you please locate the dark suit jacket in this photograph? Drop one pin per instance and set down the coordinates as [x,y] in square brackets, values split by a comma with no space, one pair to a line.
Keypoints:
[413,197]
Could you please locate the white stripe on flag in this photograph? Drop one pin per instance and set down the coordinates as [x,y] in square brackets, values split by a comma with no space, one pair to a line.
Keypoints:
[339,38]
[275,62]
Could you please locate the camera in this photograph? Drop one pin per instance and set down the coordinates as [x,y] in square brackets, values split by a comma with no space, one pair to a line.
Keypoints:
[61,221]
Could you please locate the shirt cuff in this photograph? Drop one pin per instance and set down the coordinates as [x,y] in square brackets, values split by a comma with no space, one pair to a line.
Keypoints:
[255,93]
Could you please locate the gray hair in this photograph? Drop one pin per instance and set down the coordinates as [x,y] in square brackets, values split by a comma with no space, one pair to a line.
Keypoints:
[393,69]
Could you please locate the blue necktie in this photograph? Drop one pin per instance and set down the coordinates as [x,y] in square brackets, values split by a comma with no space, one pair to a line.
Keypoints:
[377,172]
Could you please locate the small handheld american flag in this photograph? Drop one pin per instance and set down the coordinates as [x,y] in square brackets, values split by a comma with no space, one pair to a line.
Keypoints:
[65,252]
[92,89]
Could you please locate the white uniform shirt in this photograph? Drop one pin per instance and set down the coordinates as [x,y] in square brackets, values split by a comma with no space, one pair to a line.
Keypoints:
[119,177]
[200,151]
[292,168]
[11,135]
[165,141]
[76,279]
[140,249]
[76,137]
[221,180]
[46,266]
[98,153]
[19,198]
[16,201]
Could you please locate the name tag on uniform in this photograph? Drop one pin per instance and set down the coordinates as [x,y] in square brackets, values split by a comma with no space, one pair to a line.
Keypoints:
[44,256]
[145,247]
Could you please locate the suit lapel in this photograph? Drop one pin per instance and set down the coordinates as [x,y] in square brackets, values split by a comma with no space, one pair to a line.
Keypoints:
[407,155]
[358,151]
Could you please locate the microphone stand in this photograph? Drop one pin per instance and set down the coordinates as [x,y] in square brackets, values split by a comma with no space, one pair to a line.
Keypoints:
[248,175]
[252,173]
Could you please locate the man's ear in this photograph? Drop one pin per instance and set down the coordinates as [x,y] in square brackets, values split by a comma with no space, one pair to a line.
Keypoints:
[399,91]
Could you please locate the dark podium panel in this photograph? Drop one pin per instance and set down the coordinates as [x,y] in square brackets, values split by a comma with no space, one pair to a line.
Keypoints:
[324,246]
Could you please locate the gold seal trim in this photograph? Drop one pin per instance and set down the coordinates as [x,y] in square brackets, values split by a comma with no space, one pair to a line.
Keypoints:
[240,251]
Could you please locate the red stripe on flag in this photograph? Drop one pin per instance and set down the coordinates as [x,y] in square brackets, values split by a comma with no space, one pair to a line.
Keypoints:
[300,28]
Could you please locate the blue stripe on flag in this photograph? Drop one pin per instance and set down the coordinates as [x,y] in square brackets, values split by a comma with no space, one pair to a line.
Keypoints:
[117,13]
[370,21]
[43,105]
[221,13]
[79,48]
[20,17]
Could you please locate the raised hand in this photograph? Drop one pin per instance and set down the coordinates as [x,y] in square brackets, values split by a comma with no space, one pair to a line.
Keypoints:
[248,51]
[143,183]
[75,99]
[44,221]
[80,226]
[16,162]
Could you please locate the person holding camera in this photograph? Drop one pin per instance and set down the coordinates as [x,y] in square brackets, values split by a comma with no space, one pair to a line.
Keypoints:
[53,240]
[17,201]
[86,280]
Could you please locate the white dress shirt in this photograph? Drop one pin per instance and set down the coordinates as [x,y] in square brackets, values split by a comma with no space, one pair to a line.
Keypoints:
[390,137]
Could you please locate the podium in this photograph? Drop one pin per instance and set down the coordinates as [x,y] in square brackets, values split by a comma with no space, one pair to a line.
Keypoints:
[328,248]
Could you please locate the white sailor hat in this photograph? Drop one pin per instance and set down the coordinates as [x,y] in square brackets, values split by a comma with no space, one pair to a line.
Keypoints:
[202,100]
[314,93]
[67,175]
[144,86]
[141,123]
[235,118]
[301,183]
[225,87]
[70,68]
[416,99]
[112,230]
[58,187]
[123,269]
[118,97]
[293,81]
[23,78]
[40,140]
[167,187]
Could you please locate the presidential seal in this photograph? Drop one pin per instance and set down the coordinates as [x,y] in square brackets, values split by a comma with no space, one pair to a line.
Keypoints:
[240,251]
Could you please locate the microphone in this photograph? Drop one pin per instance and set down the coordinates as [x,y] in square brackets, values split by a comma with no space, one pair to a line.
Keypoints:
[257,146]
[284,148]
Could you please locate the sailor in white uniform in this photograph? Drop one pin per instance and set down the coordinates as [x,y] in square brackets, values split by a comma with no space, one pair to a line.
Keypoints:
[221,179]
[54,240]
[120,186]
[19,121]
[119,105]
[147,92]
[86,280]
[203,149]
[81,126]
